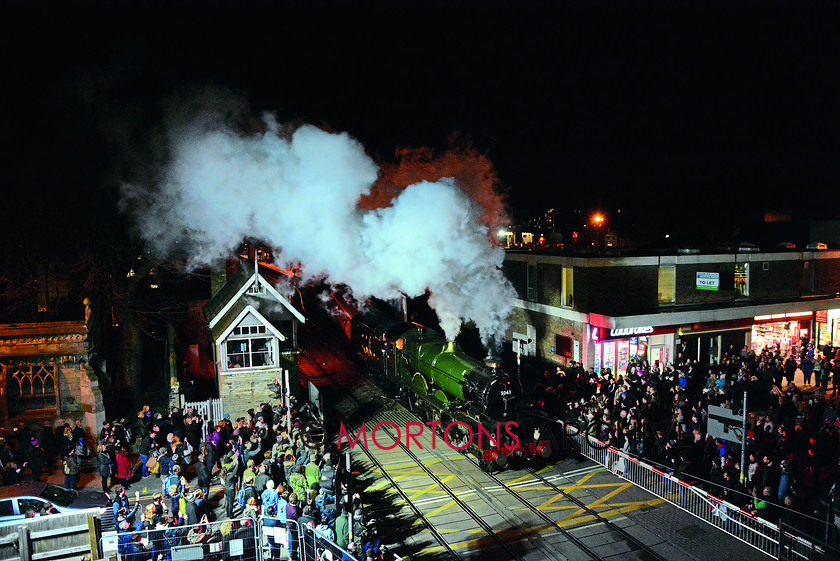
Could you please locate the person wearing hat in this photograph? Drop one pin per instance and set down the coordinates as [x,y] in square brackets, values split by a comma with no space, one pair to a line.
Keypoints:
[191,509]
[297,481]
[342,527]
[312,472]
[34,458]
[249,490]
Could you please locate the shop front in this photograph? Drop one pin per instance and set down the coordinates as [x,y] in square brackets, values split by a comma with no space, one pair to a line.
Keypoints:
[827,328]
[615,348]
[782,332]
[707,342]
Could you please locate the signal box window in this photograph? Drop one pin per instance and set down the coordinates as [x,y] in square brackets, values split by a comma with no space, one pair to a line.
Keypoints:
[248,347]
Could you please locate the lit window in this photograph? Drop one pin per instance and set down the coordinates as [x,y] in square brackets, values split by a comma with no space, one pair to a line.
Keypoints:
[667,284]
[568,287]
[742,279]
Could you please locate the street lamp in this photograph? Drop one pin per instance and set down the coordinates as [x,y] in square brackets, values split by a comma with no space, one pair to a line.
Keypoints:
[598,220]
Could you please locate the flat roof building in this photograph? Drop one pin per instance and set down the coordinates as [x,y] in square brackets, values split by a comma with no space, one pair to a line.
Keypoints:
[603,310]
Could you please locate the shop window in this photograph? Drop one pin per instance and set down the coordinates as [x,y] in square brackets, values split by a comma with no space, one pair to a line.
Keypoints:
[667,284]
[532,282]
[568,287]
[742,279]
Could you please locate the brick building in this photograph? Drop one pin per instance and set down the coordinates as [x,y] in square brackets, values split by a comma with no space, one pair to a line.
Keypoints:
[604,309]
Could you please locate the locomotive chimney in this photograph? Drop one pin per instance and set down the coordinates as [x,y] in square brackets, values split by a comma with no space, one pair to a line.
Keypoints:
[450,347]
[493,362]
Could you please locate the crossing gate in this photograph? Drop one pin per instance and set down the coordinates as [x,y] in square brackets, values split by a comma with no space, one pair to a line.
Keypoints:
[210,411]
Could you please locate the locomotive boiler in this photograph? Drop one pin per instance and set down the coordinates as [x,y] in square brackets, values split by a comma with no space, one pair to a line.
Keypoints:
[442,384]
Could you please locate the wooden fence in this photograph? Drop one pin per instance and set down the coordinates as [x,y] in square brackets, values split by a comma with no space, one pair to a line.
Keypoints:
[57,536]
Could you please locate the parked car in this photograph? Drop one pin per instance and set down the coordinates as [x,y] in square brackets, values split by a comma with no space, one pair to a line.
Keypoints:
[16,500]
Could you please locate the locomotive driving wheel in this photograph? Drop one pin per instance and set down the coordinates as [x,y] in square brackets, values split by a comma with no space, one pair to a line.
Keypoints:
[455,433]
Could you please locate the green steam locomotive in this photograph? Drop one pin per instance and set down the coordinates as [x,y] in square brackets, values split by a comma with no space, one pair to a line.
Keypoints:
[474,405]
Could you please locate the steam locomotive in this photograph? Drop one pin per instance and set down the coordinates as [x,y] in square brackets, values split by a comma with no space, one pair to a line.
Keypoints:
[441,384]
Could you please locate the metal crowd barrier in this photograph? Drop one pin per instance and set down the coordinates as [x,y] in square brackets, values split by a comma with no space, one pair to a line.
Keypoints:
[242,539]
[752,530]
[213,541]
[796,548]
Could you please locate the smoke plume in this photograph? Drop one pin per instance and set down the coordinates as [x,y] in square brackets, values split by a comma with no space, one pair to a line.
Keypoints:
[300,191]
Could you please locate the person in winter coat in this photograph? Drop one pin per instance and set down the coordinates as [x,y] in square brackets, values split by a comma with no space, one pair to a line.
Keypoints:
[293,512]
[297,481]
[147,445]
[105,471]
[72,466]
[312,472]
[34,458]
[203,475]
[231,480]
[123,467]
[342,528]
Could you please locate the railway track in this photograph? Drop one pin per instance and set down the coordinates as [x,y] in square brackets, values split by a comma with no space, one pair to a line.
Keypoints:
[497,529]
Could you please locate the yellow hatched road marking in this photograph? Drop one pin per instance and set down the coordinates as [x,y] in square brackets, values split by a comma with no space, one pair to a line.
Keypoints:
[579,483]
[598,502]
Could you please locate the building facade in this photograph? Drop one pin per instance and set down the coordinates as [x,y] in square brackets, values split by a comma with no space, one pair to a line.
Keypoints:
[45,375]
[603,310]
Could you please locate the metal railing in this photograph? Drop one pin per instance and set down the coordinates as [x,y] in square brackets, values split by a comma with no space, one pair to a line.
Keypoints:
[796,548]
[213,541]
[750,529]
[242,540]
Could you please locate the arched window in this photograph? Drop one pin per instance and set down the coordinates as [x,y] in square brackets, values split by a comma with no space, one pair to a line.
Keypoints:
[31,386]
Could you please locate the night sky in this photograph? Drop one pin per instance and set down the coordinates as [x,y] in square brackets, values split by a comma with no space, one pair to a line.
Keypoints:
[674,111]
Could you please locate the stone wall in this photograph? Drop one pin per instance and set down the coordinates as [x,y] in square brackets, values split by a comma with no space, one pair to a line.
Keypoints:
[62,348]
[245,389]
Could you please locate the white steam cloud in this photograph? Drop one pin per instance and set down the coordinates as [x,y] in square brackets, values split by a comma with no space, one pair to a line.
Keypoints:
[300,193]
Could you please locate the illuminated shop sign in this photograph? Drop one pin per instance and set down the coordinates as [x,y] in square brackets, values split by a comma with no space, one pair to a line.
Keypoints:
[631,331]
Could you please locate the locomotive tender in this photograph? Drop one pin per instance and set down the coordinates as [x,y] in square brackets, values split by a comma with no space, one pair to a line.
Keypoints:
[442,384]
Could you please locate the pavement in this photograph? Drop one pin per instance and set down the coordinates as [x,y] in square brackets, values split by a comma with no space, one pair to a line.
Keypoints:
[91,482]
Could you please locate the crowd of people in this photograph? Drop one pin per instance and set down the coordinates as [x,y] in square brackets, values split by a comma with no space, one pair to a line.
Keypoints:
[659,413]
[267,468]
[263,467]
